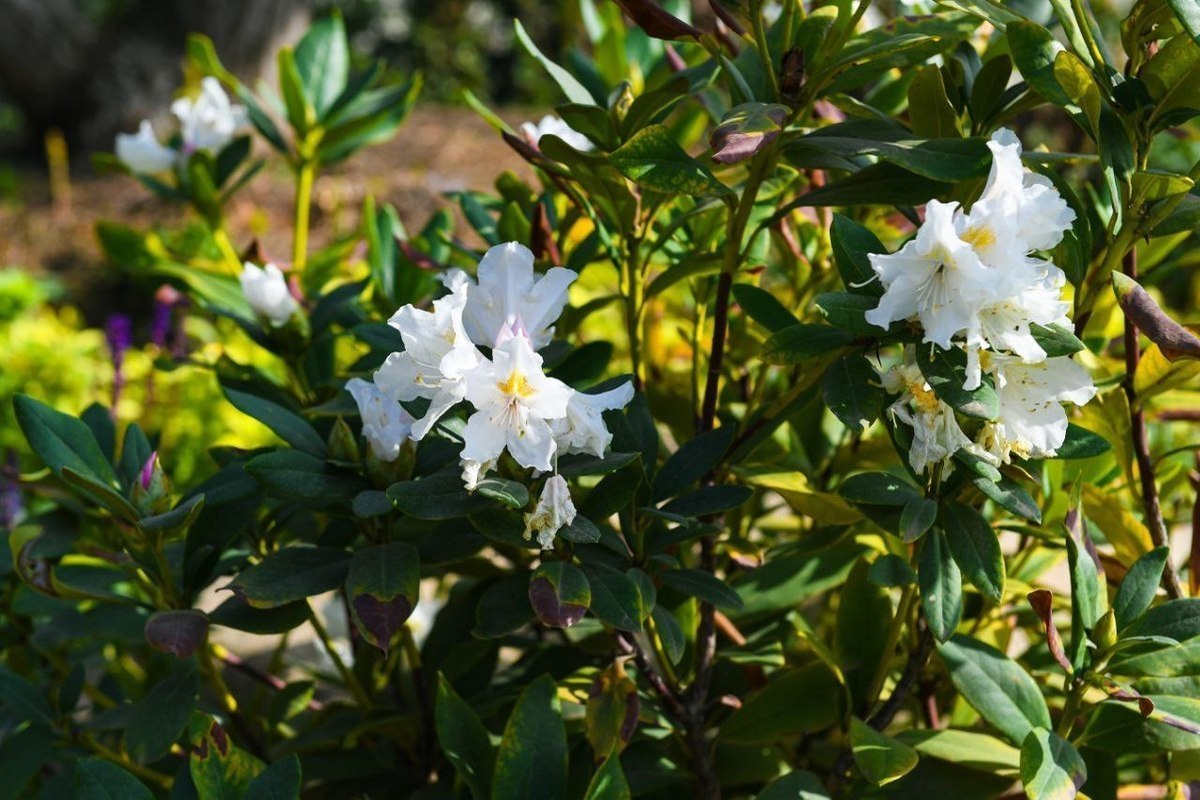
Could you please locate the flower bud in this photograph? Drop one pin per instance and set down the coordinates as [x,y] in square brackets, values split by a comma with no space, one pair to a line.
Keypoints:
[152,491]
[343,444]
[1104,633]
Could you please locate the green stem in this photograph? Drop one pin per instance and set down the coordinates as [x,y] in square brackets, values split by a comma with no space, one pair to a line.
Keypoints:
[124,761]
[895,631]
[764,49]
[1074,690]
[348,677]
[304,185]
[228,251]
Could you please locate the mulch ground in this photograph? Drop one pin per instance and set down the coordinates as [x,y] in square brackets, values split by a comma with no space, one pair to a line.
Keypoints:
[438,150]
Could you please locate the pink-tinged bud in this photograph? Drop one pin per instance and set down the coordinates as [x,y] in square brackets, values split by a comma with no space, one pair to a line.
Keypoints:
[148,470]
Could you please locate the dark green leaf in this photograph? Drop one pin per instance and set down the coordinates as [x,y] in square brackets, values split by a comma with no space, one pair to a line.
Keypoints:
[382,588]
[1051,769]
[975,548]
[941,586]
[236,613]
[708,500]
[891,570]
[852,390]
[616,599]
[61,440]
[654,160]
[847,310]
[703,585]
[1139,586]
[763,307]
[441,496]
[802,342]
[795,701]
[880,758]
[998,688]
[464,740]
[280,781]
[852,246]
[1056,340]
[22,698]
[695,459]
[532,759]
[304,479]
[293,573]
[879,489]
[509,493]
[946,372]
[290,427]
[159,718]
[917,517]
[97,779]
[323,62]
[504,607]
[1033,51]
[609,781]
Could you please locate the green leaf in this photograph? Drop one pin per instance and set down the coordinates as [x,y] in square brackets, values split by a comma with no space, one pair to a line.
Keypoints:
[703,585]
[304,479]
[1082,443]
[159,718]
[848,311]
[236,613]
[947,160]
[1051,769]
[763,307]
[917,517]
[1139,586]
[219,768]
[571,87]
[708,500]
[946,371]
[61,440]
[795,786]
[289,426]
[975,548]
[504,607]
[323,62]
[929,108]
[98,779]
[532,759]
[852,390]
[891,570]
[941,586]
[795,701]
[879,489]
[1056,340]
[864,613]
[506,492]
[609,781]
[22,698]
[463,740]
[382,588]
[880,758]
[1033,51]
[802,342]
[1189,16]
[300,114]
[852,246]
[997,687]
[615,597]
[291,574]
[440,496]
[559,593]
[691,462]
[1175,619]
[280,781]
[653,160]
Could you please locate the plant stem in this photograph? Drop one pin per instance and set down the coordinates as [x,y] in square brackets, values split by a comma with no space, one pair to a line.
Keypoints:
[348,677]
[895,631]
[764,49]
[304,185]
[1141,446]
[228,251]
[124,761]
[634,293]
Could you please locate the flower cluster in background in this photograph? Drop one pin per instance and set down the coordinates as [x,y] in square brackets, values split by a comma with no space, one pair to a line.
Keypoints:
[972,282]
[479,343]
[207,123]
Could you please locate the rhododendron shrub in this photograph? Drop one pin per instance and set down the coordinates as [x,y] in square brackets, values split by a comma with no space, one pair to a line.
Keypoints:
[811,419]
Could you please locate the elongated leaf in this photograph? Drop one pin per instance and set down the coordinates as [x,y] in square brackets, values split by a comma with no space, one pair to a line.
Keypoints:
[61,440]
[852,246]
[609,782]
[803,342]
[280,781]
[880,758]
[1139,586]
[851,390]
[571,87]
[998,688]
[692,461]
[464,740]
[437,497]
[975,549]
[289,426]
[763,307]
[304,479]
[323,62]
[946,372]
[707,587]
[97,779]
[291,574]
[941,586]
[615,598]
[794,701]
[1051,769]
[159,718]
[532,759]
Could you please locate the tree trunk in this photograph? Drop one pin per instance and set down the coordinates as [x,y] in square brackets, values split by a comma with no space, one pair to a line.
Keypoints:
[92,79]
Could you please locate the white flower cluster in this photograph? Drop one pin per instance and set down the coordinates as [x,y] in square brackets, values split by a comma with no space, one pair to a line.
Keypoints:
[972,282]
[208,122]
[518,407]
[267,293]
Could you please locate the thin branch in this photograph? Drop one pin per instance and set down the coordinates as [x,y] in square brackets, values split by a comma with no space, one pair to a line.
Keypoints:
[1141,445]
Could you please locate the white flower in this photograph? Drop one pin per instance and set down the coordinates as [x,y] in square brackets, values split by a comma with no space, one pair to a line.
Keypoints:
[436,354]
[554,510]
[385,423]
[1021,206]
[551,124]
[508,301]
[514,402]
[210,121]
[266,291]
[142,152]
[583,430]
[1032,422]
[937,278]
[936,432]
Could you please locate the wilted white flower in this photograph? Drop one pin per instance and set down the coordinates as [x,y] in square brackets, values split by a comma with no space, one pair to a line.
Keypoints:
[554,510]
[436,355]
[937,435]
[385,423]
[583,430]
[142,152]
[937,278]
[551,124]
[1032,422]
[267,292]
[515,402]
[210,121]
[508,300]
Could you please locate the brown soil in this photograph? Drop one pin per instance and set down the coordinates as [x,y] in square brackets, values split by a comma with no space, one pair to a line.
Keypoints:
[438,150]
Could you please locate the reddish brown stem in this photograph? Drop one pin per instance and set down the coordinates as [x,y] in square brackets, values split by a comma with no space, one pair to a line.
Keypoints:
[1141,445]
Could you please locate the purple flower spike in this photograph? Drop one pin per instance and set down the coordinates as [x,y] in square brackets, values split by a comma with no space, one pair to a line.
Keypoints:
[11,502]
[118,330]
